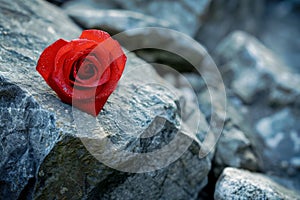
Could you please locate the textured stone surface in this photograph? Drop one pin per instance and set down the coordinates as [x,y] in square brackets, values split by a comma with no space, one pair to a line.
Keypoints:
[281,131]
[241,184]
[227,17]
[153,39]
[234,147]
[113,20]
[28,131]
[69,170]
[183,15]
[234,150]
[27,134]
[269,98]
[88,177]
[274,23]
[256,69]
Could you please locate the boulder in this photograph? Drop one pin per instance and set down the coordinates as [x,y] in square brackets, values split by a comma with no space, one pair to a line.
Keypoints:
[146,125]
[247,15]
[113,20]
[241,184]
[27,135]
[252,69]
[184,15]
[269,93]
[156,40]
[235,144]
[234,149]
[281,131]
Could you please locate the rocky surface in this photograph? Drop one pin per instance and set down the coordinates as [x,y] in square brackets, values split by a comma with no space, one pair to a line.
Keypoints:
[157,112]
[273,22]
[138,32]
[27,134]
[234,150]
[234,147]
[256,70]
[281,131]
[65,167]
[244,15]
[113,20]
[50,150]
[242,184]
[268,92]
[183,15]
[28,129]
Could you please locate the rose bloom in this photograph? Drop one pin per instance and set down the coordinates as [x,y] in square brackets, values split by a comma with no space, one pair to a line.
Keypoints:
[85,71]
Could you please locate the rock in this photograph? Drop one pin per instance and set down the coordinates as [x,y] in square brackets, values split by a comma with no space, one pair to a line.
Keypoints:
[27,134]
[280,21]
[242,184]
[286,91]
[234,147]
[157,112]
[141,117]
[184,15]
[256,69]
[269,91]
[234,150]
[253,69]
[89,4]
[281,132]
[113,20]
[27,131]
[136,31]
[225,17]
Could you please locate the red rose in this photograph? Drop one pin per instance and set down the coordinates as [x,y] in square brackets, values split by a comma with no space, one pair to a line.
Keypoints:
[85,71]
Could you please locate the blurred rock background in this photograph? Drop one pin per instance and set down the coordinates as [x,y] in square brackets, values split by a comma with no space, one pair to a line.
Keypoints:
[256,46]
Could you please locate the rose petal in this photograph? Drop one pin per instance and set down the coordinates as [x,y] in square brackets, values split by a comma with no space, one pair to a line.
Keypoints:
[62,89]
[116,53]
[95,35]
[68,93]
[46,62]
[109,86]
[100,58]
[92,106]
[59,76]
[72,60]
[105,76]
[68,54]
[108,43]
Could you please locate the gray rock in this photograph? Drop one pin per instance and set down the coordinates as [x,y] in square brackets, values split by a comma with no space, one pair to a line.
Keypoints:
[158,106]
[133,30]
[269,91]
[255,69]
[234,147]
[27,131]
[234,150]
[113,20]
[27,134]
[275,23]
[281,22]
[286,91]
[183,15]
[281,132]
[242,184]
[224,16]
[69,167]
